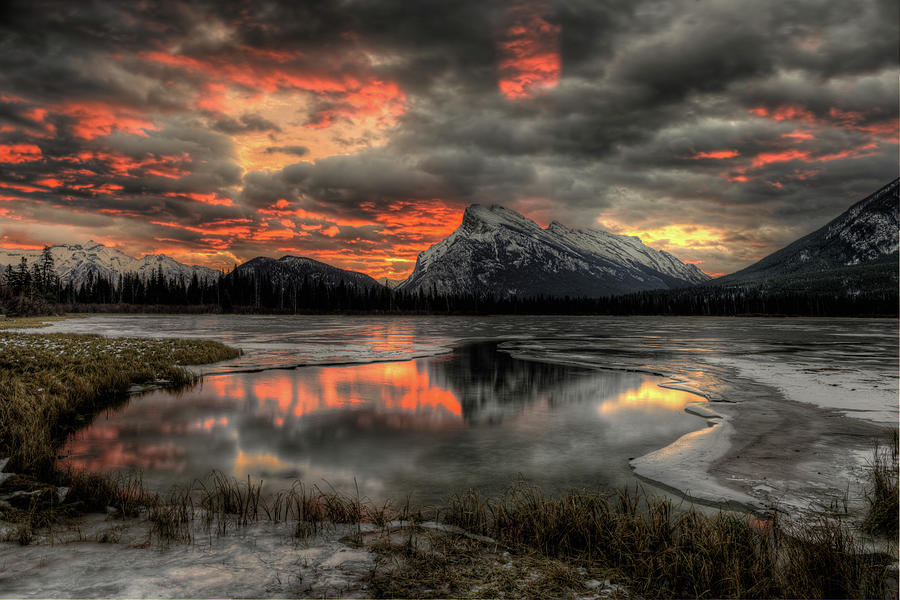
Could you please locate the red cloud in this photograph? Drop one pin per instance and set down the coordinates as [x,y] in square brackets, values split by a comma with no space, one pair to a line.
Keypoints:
[799,135]
[125,166]
[227,227]
[842,119]
[97,119]
[19,153]
[351,96]
[212,198]
[765,158]
[717,154]
[530,53]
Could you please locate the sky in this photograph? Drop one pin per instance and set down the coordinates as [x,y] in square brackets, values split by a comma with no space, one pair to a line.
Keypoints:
[356,133]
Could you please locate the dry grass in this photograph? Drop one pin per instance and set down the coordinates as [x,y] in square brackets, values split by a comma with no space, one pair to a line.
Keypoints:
[519,545]
[52,384]
[430,564]
[664,552]
[882,494]
[32,322]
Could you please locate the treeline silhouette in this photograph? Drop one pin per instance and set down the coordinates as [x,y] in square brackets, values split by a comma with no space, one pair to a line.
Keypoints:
[37,290]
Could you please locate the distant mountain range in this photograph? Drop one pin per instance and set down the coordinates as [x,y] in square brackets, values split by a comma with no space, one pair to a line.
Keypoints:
[499,252]
[858,248]
[75,263]
[294,269]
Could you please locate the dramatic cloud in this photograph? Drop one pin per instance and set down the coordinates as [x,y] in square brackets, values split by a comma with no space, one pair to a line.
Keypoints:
[356,133]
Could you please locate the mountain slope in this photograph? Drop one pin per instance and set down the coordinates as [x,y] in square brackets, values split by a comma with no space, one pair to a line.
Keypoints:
[293,269]
[863,238]
[499,252]
[74,263]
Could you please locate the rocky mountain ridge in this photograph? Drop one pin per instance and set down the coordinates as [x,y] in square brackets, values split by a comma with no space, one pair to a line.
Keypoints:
[76,262]
[497,251]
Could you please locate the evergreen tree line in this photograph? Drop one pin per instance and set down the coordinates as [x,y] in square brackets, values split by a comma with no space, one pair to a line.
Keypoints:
[31,290]
[249,292]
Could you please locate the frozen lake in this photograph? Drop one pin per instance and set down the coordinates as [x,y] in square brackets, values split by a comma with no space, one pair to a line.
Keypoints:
[427,405]
[422,428]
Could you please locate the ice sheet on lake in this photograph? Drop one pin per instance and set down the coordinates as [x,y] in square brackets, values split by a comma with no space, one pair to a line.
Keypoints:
[848,364]
[869,394]
[683,465]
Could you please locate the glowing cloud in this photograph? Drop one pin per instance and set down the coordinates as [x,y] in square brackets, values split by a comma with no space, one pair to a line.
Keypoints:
[717,154]
[529,50]
[19,153]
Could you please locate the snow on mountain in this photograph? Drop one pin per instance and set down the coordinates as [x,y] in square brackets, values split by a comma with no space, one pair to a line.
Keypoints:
[865,234]
[389,283]
[74,263]
[500,252]
[295,269]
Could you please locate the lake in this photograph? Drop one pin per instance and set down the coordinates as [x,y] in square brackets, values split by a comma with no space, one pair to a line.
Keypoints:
[422,407]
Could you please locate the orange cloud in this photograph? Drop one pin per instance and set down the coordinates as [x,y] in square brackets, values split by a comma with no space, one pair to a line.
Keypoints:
[21,188]
[125,166]
[227,227]
[530,59]
[97,119]
[717,154]
[19,153]
[211,198]
[765,158]
[842,119]
[798,135]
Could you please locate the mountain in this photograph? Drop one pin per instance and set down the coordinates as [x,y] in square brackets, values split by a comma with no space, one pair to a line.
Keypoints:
[74,263]
[294,269]
[499,252]
[858,248]
[389,283]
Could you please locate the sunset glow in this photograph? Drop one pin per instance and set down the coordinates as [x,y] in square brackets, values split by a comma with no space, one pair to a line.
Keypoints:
[649,397]
[357,134]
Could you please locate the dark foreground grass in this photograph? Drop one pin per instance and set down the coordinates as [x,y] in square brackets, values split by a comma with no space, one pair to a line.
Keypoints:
[662,552]
[882,493]
[521,544]
[52,384]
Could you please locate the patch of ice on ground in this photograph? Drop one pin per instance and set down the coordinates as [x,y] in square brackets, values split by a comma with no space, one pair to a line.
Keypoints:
[868,394]
[258,561]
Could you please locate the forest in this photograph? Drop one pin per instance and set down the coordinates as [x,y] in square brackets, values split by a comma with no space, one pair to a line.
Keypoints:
[37,289]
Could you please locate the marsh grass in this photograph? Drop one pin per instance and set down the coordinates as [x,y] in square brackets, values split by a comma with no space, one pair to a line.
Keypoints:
[663,551]
[53,384]
[882,493]
[32,322]
[520,544]
[429,564]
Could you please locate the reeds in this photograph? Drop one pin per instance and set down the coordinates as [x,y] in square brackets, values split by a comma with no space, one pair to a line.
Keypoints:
[882,493]
[51,385]
[662,551]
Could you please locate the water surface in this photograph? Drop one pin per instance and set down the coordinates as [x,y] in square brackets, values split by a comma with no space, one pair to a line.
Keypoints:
[476,417]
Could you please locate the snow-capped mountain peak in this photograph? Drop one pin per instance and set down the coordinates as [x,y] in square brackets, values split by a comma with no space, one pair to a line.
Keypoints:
[864,234]
[500,252]
[76,262]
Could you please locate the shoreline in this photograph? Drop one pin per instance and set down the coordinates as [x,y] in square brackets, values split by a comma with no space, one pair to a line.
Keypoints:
[726,463]
[347,559]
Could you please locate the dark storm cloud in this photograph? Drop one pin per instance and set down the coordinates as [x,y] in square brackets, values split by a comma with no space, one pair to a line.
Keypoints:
[247,122]
[755,122]
[294,150]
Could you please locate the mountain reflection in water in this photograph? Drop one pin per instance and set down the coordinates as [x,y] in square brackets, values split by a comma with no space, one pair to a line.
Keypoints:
[428,427]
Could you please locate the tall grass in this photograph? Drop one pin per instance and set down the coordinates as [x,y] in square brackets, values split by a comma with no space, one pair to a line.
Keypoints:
[52,384]
[882,493]
[665,552]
